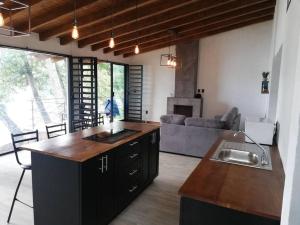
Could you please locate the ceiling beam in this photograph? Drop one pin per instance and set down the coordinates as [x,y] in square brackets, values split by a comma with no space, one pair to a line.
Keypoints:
[147,11]
[151,21]
[191,24]
[199,35]
[46,18]
[121,6]
[199,29]
[166,20]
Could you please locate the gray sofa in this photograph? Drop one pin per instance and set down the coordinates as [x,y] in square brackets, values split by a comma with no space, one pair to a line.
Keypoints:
[194,136]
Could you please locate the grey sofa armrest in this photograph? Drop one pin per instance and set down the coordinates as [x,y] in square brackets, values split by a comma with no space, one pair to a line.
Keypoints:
[172,119]
[207,123]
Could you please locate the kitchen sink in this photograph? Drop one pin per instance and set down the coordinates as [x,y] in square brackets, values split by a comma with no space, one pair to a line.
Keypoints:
[243,154]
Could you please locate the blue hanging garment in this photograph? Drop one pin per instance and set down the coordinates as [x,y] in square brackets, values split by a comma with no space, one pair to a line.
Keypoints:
[116,111]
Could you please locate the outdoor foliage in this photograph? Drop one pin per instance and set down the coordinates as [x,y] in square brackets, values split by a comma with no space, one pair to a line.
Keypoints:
[32,88]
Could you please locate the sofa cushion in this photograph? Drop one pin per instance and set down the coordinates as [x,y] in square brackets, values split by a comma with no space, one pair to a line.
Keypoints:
[200,122]
[173,119]
[228,118]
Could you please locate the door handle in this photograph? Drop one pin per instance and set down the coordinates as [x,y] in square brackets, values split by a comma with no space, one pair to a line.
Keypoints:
[134,143]
[102,165]
[133,172]
[133,156]
[106,162]
[133,189]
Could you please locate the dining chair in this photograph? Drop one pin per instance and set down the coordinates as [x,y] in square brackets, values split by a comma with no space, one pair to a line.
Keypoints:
[56,130]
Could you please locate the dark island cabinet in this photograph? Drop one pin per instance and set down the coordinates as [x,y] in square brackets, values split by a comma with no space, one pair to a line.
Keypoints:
[95,191]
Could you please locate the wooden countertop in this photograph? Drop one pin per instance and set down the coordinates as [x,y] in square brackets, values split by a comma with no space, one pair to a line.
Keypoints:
[246,189]
[74,147]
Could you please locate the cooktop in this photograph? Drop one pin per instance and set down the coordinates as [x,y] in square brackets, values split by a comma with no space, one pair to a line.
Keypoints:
[111,136]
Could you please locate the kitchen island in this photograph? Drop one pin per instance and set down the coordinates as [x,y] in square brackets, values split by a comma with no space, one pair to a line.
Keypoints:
[79,181]
[218,193]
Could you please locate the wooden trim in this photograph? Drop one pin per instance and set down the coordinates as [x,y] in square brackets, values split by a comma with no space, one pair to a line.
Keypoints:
[254,11]
[87,20]
[200,35]
[126,18]
[46,18]
[154,20]
[165,21]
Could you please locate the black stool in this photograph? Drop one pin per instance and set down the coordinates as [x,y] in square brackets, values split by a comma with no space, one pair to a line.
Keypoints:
[56,130]
[18,139]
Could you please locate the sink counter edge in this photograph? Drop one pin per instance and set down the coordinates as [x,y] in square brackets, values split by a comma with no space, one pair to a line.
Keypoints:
[245,189]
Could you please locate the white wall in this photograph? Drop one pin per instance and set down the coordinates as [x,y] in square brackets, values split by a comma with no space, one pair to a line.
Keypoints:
[52,45]
[287,37]
[159,83]
[230,68]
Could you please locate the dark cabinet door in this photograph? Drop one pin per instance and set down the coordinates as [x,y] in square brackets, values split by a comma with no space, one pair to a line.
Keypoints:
[105,208]
[128,172]
[153,155]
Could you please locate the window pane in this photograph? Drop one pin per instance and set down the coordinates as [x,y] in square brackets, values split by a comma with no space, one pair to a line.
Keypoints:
[33,92]
[119,91]
[104,90]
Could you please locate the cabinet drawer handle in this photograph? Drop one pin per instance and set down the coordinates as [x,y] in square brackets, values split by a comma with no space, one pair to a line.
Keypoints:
[133,189]
[134,143]
[133,156]
[102,165]
[133,172]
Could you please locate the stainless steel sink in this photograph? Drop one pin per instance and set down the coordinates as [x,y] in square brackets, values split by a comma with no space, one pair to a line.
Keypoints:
[244,154]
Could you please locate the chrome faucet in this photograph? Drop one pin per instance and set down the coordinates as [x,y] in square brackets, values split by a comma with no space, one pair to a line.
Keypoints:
[264,158]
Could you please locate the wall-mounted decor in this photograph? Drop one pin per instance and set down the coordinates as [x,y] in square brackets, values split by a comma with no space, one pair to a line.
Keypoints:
[8,9]
[265,83]
[288,4]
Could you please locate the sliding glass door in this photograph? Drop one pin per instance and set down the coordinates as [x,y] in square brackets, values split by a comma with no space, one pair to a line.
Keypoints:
[111,91]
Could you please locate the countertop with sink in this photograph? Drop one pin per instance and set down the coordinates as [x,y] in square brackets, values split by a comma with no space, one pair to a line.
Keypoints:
[240,188]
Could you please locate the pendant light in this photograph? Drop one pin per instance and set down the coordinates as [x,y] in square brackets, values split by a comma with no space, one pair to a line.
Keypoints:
[137,49]
[169,57]
[1,16]
[75,33]
[1,20]
[111,40]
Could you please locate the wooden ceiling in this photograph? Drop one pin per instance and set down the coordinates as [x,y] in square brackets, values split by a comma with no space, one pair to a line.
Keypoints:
[186,19]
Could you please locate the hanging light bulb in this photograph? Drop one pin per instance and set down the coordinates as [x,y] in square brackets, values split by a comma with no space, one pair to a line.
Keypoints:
[1,20]
[75,33]
[174,64]
[169,61]
[136,49]
[112,41]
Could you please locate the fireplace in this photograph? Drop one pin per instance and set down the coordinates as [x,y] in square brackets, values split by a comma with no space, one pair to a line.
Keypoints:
[186,110]
[184,101]
[182,105]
